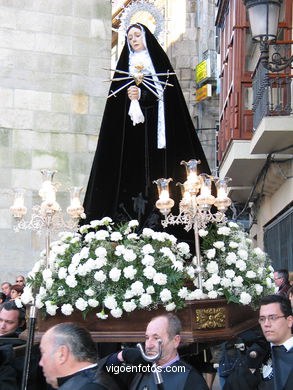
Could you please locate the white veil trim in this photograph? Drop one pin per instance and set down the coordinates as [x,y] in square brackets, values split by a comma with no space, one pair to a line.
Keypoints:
[144,58]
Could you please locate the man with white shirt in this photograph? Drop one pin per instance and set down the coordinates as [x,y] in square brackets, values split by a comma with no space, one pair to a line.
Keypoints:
[69,359]
[275,372]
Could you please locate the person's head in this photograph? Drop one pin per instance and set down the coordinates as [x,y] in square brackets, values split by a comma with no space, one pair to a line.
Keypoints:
[280,277]
[290,295]
[275,318]
[66,348]
[20,280]
[6,287]
[135,37]
[16,291]
[11,318]
[167,328]
[291,278]
[2,297]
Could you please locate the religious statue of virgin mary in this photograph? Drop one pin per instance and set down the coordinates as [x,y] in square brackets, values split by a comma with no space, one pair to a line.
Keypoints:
[145,133]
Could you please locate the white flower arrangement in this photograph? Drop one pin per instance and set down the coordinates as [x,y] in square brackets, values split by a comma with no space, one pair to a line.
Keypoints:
[232,268]
[111,270]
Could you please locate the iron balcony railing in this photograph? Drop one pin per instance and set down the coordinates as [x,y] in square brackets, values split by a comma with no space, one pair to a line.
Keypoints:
[272,94]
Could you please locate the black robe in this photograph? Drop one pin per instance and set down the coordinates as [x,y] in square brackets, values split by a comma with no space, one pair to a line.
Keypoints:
[127,159]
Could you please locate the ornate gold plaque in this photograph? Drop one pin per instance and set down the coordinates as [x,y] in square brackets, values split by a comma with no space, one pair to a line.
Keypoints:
[213,317]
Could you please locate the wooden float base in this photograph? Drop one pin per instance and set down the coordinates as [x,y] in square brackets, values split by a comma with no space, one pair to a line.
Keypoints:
[202,321]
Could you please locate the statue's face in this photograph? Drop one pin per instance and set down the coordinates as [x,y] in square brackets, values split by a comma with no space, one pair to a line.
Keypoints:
[135,39]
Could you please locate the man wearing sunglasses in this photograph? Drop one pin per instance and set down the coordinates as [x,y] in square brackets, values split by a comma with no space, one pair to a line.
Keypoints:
[273,371]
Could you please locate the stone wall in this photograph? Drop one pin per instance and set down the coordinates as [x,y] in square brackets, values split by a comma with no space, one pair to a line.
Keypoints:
[52,97]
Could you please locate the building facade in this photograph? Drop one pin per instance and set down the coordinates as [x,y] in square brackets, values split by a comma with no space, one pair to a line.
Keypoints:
[256,130]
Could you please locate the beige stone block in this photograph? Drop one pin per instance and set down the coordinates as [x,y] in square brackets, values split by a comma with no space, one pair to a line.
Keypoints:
[5,137]
[63,142]
[50,160]
[6,97]
[32,100]
[51,43]
[58,7]
[62,25]
[81,27]
[61,102]
[99,28]
[17,40]
[7,18]
[80,104]
[41,141]
[5,219]
[80,142]
[33,21]
[22,139]
[92,142]
[51,121]
[20,119]
[97,105]
[26,178]
[7,58]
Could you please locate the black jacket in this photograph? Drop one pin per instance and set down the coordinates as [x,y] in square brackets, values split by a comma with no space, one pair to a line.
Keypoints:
[89,379]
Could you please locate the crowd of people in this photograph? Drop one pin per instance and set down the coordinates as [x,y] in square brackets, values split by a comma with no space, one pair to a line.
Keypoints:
[12,291]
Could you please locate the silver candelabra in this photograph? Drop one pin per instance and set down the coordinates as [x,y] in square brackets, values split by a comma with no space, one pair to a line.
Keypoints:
[195,205]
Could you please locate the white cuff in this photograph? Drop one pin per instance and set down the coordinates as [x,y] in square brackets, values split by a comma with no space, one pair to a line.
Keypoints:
[135,112]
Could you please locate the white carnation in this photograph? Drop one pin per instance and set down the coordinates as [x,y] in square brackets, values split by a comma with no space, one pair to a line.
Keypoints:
[51,309]
[233,244]
[129,306]
[81,304]
[183,247]
[160,279]
[218,244]
[165,295]
[84,253]
[46,273]
[258,289]
[116,313]
[203,233]
[101,251]
[120,249]
[226,282]
[211,253]
[115,274]
[61,292]
[231,258]
[183,292]
[67,309]
[100,276]
[212,267]
[241,265]
[75,259]
[129,255]
[233,225]
[243,254]
[116,236]
[147,232]
[224,231]
[170,307]
[110,302]
[245,298]
[132,236]
[229,273]
[212,294]
[71,281]
[148,260]
[101,235]
[137,287]
[129,272]
[149,272]
[250,274]
[237,281]
[62,273]
[93,302]
[196,294]
[145,300]
[147,249]
[90,292]
[102,315]
[133,223]
[49,283]
[150,290]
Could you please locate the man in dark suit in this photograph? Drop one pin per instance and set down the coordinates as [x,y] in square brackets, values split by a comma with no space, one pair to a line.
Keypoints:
[281,278]
[274,372]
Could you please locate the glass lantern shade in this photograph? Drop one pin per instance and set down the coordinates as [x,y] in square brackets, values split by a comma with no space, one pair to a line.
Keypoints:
[222,202]
[18,209]
[193,182]
[264,17]
[75,209]
[205,200]
[165,203]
